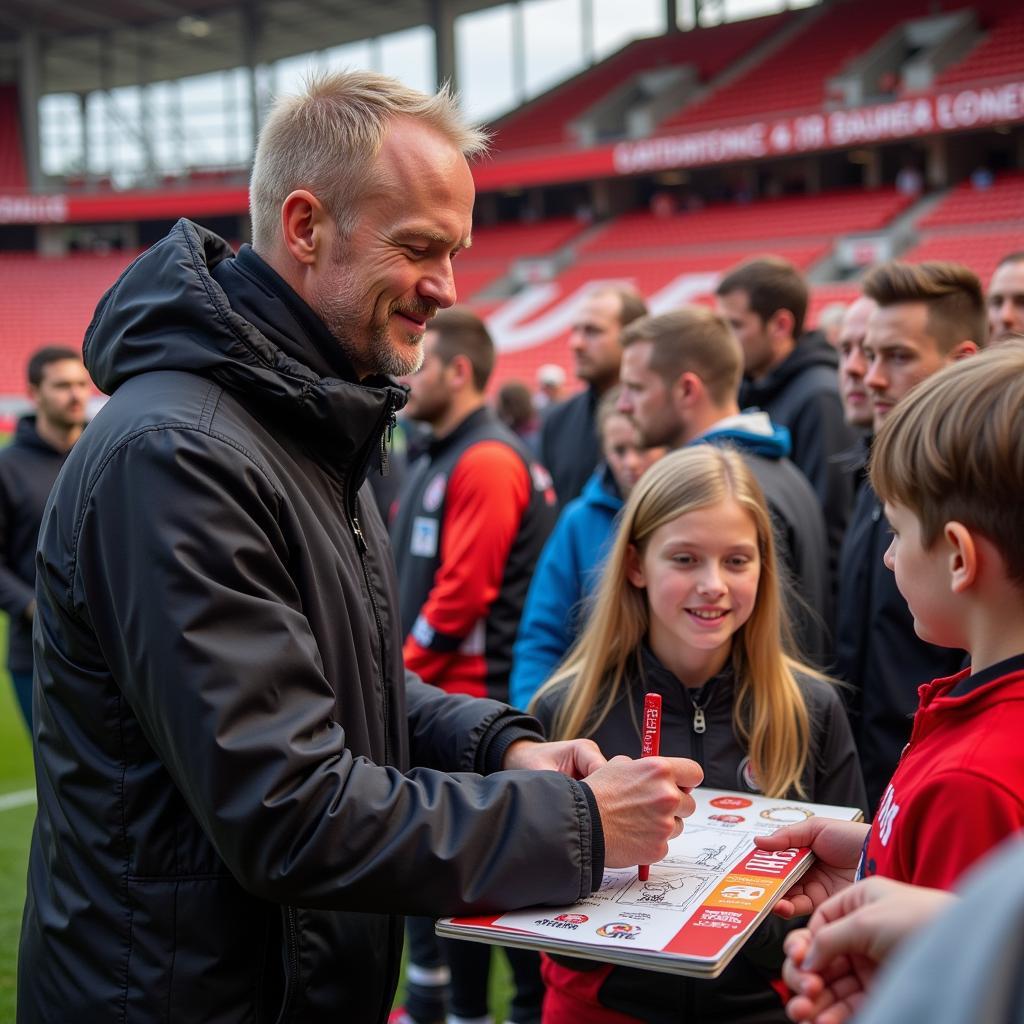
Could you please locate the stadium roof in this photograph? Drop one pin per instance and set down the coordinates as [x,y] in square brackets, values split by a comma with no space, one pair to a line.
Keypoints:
[101,44]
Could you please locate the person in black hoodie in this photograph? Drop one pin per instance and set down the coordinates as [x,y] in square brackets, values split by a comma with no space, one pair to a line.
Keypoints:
[228,824]
[680,376]
[569,446]
[927,315]
[794,381]
[58,386]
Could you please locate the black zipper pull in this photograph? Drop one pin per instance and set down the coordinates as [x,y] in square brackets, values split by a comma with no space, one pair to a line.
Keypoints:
[385,441]
[358,531]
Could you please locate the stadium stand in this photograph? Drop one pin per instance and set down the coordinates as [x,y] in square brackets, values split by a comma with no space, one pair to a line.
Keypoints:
[795,76]
[825,215]
[999,53]
[966,205]
[546,120]
[980,250]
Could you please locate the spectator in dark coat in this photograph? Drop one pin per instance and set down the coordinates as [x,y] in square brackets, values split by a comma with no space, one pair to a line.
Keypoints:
[794,381]
[569,446]
[58,385]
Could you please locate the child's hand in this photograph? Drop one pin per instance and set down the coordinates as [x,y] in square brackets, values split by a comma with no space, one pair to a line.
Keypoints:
[837,846]
[832,962]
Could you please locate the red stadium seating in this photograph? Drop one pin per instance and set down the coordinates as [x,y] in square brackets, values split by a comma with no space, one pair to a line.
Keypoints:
[999,53]
[967,205]
[48,302]
[544,121]
[981,251]
[794,77]
[825,215]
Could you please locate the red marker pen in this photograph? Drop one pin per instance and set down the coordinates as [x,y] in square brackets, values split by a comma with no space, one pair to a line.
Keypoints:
[650,746]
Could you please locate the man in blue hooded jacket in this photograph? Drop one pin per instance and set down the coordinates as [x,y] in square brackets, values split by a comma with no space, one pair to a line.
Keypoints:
[681,375]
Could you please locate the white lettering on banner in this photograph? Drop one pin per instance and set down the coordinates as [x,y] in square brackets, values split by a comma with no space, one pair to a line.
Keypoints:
[715,146]
[901,119]
[980,106]
[33,209]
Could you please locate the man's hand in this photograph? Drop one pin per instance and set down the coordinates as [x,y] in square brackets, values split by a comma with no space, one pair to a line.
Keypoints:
[642,805]
[835,844]
[575,758]
[832,962]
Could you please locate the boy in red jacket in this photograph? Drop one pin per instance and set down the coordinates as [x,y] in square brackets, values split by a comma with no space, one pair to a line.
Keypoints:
[949,464]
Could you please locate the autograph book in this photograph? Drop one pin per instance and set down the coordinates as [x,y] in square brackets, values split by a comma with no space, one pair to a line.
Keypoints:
[695,910]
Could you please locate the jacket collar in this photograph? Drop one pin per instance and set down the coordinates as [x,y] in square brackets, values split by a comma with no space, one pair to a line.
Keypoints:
[169,311]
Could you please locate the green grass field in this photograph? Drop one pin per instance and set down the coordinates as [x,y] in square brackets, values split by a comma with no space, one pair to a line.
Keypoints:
[15,830]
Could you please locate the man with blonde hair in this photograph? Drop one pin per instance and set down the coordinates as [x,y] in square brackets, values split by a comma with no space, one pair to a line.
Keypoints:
[228,823]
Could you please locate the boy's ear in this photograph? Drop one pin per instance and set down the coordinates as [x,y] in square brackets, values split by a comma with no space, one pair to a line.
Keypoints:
[963,556]
[634,568]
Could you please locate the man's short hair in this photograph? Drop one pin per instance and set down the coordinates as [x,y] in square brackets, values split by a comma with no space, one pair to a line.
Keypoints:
[460,332]
[41,359]
[953,450]
[770,283]
[952,293]
[326,139]
[631,302]
[1011,257]
[692,340]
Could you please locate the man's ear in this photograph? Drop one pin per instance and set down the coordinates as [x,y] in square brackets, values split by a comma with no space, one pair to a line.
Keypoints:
[688,388]
[780,324]
[963,350]
[303,224]
[635,568]
[460,371]
[963,556]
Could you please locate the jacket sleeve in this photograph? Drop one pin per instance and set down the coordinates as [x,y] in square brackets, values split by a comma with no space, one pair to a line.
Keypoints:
[200,623]
[488,493]
[819,431]
[454,732]
[545,634]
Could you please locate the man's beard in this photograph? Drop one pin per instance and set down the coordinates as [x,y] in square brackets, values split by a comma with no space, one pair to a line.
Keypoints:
[364,338]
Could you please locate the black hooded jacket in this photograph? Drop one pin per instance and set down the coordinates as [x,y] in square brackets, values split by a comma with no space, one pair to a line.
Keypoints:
[227,822]
[28,467]
[802,394]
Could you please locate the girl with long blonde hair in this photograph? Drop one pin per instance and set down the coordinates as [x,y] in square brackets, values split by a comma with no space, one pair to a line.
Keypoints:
[689,606]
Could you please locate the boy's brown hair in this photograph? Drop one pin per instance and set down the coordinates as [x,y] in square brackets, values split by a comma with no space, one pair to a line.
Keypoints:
[460,332]
[953,449]
[951,291]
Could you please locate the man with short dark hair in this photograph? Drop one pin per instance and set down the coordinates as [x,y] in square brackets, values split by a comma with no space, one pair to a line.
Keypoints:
[569,445]
[58,386]
[472,520]
[680,377]
[926,315]
[791,376]
[1006,299]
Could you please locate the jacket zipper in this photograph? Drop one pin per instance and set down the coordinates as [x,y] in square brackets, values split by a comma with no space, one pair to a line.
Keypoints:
[362,547]
[385,441]
[291,941]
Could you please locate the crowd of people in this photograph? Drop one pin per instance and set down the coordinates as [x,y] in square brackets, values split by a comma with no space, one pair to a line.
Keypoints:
[293,681]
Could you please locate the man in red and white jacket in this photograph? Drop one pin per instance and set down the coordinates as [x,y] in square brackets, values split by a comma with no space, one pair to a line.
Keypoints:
[471,521]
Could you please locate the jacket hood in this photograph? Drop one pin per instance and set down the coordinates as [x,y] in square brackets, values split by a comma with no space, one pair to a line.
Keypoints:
[26,435]
[751,431]
[601,490]
[811,350]
[166,312]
